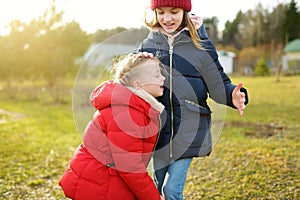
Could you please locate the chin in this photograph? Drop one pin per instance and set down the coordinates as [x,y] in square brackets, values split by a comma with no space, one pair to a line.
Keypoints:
[157,95]
[169,31]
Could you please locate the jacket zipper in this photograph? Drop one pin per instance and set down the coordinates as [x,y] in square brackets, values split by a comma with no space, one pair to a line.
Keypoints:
[170,41]
[171,99]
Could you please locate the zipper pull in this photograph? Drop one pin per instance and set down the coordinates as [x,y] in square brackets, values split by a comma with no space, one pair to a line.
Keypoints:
[171,50]
[157,54]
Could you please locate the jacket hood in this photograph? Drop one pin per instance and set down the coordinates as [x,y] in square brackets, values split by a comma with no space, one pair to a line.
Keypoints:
[112,93]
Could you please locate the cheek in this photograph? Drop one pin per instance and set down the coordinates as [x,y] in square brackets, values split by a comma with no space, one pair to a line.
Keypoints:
[152,89]
[179,18]
[159,19]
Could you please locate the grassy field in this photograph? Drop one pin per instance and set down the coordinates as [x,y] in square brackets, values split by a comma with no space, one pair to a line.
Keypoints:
[256,157]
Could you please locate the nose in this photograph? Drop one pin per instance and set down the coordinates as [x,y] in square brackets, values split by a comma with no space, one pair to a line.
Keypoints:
[167,17]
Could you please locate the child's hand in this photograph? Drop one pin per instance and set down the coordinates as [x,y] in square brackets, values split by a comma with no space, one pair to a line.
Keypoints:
[238,98]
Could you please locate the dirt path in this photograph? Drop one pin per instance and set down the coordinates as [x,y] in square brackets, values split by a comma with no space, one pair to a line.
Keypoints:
[8,116]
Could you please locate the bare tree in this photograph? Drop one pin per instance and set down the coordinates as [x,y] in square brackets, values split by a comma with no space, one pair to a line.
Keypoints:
[276,58]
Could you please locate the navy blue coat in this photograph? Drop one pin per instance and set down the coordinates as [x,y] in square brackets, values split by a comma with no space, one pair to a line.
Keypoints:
[193,75]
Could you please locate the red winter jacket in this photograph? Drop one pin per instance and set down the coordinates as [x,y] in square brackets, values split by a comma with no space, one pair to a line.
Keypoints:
[117,146]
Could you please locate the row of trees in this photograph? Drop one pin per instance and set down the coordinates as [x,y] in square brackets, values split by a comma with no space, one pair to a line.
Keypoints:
[46,48]
[261,26]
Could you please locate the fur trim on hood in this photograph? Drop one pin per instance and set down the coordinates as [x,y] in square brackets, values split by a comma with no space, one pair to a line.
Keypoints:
[148,98]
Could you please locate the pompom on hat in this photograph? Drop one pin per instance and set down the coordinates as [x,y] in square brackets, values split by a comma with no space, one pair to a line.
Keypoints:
[184,4]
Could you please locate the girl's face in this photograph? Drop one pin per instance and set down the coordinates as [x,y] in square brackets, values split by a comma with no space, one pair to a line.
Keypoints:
[169,18]
[151,79]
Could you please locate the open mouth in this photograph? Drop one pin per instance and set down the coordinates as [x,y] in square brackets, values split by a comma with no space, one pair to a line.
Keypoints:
[169,26]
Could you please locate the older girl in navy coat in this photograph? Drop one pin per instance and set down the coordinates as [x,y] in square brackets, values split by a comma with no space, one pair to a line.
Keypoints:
[194,75]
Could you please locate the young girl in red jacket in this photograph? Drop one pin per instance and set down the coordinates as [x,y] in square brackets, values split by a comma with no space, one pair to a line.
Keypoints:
[118,142]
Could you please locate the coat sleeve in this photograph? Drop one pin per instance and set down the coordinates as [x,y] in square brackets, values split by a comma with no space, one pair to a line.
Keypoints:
[215,63]
[126,140]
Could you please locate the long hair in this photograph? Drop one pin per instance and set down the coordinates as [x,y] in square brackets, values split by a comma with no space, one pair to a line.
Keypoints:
[186,22]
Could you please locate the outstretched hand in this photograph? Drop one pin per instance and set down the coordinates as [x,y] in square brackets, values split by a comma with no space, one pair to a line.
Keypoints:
[238,98]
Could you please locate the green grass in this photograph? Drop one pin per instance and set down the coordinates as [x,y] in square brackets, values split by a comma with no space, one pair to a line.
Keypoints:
[35,150]
[256,156]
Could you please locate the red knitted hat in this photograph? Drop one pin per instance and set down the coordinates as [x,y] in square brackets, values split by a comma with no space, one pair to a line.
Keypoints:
[184,4]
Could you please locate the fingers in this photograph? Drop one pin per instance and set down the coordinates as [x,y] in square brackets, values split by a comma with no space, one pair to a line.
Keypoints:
[241,110]
[145,54]
[195,17]
[239,98]
[242,103]
[238,87]
[197,21]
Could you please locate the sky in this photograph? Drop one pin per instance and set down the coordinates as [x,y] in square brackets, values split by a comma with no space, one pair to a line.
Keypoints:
[102,14]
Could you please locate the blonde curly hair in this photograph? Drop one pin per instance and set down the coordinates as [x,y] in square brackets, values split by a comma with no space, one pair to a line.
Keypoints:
[126,68]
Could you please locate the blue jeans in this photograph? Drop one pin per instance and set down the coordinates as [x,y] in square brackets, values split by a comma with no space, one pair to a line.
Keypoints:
[170,179]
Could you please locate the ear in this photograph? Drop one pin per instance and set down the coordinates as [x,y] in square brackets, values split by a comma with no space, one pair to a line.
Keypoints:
[136,84]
